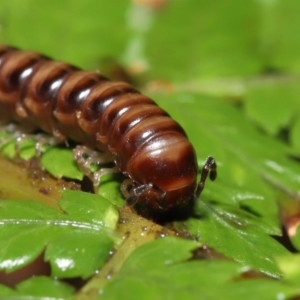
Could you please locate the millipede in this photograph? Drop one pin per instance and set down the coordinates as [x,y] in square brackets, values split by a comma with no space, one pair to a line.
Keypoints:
[150,148]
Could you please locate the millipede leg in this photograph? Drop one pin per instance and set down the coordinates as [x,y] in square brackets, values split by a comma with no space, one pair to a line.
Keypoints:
[39,139]
[15,133]
[209,168]
[97,176]
[20,134]
[125,187]
[135,193]
[86,158]
[44,139]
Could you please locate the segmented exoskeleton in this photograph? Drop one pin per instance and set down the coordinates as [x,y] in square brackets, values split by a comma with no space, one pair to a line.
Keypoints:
[147,145]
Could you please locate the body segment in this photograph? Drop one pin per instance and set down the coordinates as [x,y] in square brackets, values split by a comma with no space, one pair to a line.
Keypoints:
[148,146]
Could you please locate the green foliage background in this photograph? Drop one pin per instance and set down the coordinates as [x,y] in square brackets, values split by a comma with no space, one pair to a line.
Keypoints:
[228,71]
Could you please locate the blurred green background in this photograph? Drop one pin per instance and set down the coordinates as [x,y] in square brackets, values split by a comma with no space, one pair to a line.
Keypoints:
[176,40]
[235,49]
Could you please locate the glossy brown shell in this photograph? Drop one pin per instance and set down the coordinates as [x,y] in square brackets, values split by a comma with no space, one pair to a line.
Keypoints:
[149,146]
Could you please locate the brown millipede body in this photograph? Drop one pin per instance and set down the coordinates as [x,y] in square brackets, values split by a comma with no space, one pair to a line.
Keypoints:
[146,144]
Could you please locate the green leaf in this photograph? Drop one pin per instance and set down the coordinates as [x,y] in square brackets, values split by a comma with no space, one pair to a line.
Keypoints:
[153,268]
[60,162]
[263,104]
[80,21]
[227,193]
[26,149]
[238,235]
[162,269]
[260,289]
[42,286]
[86,252]
[280,36]
[27,228]
[217,39]
[295,134]
[6,291]
[160,253]
[89,208]
[290,267]
[110,189]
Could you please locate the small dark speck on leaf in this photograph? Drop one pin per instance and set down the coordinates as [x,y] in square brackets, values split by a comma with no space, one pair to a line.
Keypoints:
[45,191]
